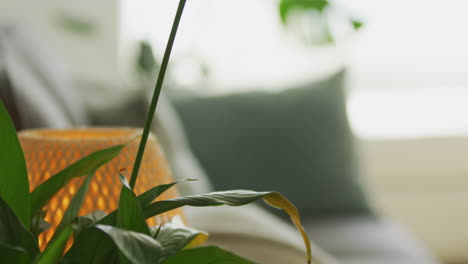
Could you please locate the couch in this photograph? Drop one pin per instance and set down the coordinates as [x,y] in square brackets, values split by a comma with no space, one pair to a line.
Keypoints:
[38,92]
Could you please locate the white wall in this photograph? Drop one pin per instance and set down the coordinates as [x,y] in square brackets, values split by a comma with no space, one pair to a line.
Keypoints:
[92,57]
[242,41]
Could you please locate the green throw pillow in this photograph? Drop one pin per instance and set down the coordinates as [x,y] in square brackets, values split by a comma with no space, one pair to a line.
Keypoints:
[297,142]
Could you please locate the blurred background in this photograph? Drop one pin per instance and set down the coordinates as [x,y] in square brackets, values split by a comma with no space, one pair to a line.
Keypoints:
[406,81]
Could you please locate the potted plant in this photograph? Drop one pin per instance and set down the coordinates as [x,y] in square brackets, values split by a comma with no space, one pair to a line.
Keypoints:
[121,236]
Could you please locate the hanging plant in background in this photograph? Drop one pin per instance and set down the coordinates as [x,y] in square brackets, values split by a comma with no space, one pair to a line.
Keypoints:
[315,21]
[122,236]
[146,64]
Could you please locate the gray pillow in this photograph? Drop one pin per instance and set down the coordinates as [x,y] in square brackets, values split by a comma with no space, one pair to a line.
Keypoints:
[297,142]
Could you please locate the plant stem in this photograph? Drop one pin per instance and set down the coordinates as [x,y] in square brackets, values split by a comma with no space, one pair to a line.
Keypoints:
[157,92]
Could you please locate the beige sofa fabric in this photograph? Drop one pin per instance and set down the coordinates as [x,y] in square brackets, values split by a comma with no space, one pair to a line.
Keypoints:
[423,184]
[252,232]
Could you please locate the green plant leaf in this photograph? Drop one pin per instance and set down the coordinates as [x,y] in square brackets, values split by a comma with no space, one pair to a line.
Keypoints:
[204,255]
[175,236]
[98,244]
[44,192]
[146,62]
[130,214]
[13,233]
[74,208]
[10,254]
[144,198]
[232,198]
[286,7]
[91,246]
[75,25]
[153,193]
[157,92]
[53,251]
[14,183]
[357,24]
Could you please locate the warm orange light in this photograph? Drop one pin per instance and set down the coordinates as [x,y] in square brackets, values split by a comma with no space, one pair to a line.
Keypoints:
[49,151]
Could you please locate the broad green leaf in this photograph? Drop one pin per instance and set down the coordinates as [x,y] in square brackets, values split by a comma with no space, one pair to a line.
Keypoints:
[144,198]
[136,247]
[53,251]
[13,232]
[204,255]
[279,201]
[286,7]
[175,236]
[98,244]
[130,214]
[74,208]
[44,192]
[10,254]
[14,183]
[232,198]
[91,246]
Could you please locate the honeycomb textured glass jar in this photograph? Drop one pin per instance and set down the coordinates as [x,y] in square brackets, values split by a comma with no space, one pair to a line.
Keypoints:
[47,152]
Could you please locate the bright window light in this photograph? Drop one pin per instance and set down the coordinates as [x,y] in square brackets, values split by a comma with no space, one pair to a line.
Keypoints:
[408,69]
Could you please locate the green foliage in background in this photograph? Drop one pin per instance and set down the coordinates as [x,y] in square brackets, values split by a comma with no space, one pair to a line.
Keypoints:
[287,6]
[321,9]
[146,62]
[75,25]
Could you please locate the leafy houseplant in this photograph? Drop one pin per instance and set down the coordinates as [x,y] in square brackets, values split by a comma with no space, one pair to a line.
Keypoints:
[323,11]
[122,236]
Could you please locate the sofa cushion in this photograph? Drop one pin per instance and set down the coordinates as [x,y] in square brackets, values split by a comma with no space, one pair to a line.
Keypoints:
[297,141]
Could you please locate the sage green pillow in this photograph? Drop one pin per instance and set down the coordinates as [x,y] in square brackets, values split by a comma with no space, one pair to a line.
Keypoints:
[297,142]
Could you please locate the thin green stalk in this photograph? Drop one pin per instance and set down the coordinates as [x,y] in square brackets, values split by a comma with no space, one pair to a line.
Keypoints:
[157,92]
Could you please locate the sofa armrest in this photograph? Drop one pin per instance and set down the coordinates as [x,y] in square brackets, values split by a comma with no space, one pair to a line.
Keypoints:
[254,233]
[422,184]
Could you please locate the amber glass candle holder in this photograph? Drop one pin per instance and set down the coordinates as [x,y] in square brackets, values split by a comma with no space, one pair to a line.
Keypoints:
[49,151]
